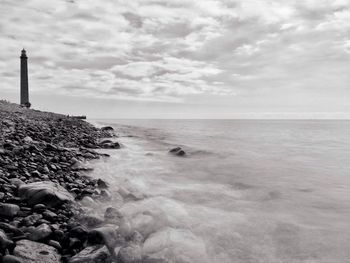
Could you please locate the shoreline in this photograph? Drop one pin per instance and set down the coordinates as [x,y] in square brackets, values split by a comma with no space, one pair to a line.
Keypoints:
[43,183]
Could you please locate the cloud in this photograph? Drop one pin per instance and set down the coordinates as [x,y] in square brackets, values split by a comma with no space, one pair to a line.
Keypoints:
[173,50]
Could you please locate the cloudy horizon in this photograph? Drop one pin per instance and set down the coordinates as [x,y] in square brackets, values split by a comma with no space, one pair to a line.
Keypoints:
[180,58]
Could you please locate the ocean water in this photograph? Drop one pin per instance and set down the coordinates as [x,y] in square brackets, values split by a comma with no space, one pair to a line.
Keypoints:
[247,191]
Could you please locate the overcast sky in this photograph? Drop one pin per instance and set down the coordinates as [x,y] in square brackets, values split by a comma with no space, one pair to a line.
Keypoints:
[180,58]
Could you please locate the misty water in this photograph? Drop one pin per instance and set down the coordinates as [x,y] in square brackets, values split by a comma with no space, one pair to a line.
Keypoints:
[247,191]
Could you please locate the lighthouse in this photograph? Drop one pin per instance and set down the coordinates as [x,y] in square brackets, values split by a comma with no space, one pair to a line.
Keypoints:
[24,80]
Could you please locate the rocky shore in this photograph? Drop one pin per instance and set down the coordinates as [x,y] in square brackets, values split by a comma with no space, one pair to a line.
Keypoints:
[44,180]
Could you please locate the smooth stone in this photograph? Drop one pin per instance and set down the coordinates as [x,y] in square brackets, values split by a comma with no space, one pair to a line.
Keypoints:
[131,253]
[9,210]
[113,216]
[87,201]
[92,254]
[34,252]
[41,232]
[27,139]
[48,193]
[39,207]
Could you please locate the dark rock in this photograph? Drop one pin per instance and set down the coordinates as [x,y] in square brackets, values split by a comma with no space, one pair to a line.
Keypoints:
[11,259]
[46,192]
[5,242]
[92,254]
[101,183]
[49,215]
[39,207]
[10,229]
[177,151]
[107,128]
[34,252]
[9,210]
[106,235]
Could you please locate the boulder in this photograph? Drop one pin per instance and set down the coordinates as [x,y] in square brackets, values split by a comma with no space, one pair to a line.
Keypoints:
[34,252]
[90,221]
[178,151]
[92,254]
[48,193]
[9,210]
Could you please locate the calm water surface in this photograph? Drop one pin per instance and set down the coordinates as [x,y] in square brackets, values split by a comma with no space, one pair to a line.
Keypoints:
[248,191]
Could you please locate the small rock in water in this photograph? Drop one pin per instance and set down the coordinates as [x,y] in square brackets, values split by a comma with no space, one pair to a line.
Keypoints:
[101,183]
[131,253]
[113,216]
[92,254]
[34,252]
[9,210]
[90,221]
[27,139]
[178,151]
[106,235]
[107,128]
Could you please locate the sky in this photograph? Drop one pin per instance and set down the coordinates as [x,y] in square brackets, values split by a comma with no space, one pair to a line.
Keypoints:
[180,58]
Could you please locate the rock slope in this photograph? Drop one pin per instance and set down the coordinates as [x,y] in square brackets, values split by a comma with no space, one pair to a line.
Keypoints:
[42,174]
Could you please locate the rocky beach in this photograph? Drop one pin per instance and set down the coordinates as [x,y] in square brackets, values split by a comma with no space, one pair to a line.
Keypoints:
[44,180]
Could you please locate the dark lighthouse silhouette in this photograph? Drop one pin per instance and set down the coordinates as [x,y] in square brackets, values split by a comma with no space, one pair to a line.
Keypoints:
[24,80]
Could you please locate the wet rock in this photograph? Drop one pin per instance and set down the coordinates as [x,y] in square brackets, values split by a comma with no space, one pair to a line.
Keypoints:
[131,253]
[101,183]
[34,252]
[106,235]
[113,216]
[49,215]
[178,151]
[90,221]
[11,259]
[79,232]
[9,210]
[87,201]
[106,195]
[48,193]
[41,232]
[27,139]
[92,254]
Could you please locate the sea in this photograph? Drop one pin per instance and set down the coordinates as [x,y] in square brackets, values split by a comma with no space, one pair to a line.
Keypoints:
[246,191]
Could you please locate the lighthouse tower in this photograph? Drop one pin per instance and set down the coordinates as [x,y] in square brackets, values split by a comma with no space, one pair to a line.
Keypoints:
[24,80]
